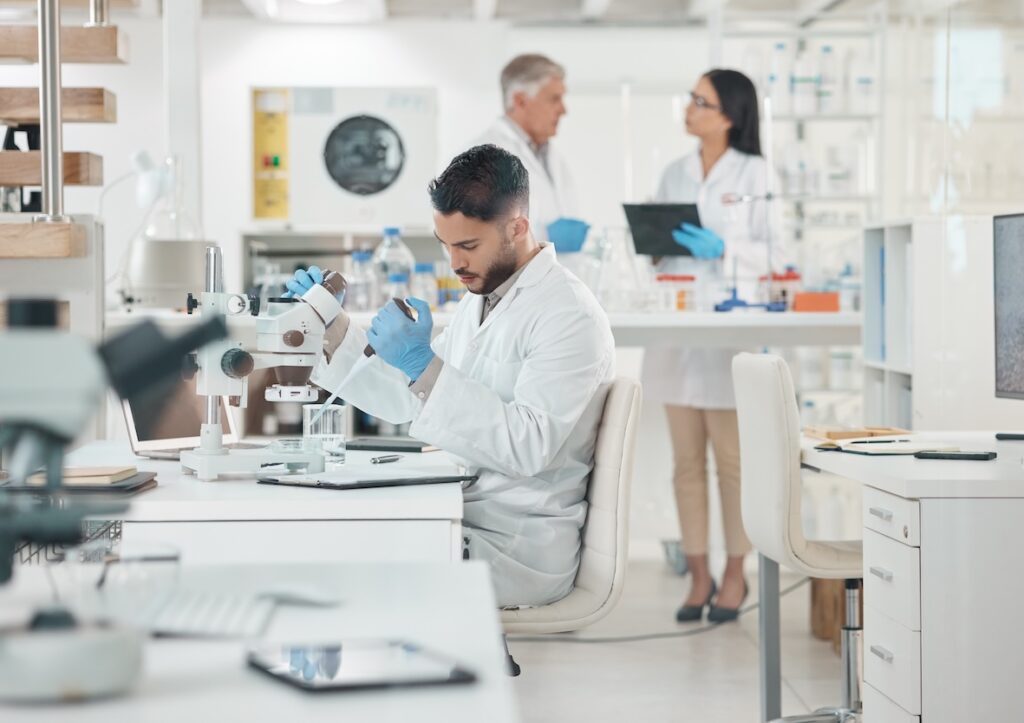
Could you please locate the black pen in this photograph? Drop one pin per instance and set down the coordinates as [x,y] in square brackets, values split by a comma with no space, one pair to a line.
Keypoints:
[386,458]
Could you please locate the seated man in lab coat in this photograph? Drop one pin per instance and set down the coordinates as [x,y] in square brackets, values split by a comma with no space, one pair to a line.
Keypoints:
[515,386]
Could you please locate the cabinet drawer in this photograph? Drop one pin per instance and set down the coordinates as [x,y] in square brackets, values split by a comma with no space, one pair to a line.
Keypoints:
[893,516]
[879,709]
[892,579]
[892,660]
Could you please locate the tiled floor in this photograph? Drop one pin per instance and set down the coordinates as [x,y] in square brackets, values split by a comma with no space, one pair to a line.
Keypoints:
[707,677]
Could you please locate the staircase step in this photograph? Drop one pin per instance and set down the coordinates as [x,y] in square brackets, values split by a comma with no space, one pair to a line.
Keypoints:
[20,43]
[78,105]
[24,168]
[28,240]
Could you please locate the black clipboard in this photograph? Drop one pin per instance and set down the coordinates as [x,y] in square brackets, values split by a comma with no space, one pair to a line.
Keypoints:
[652,224]
[465,480]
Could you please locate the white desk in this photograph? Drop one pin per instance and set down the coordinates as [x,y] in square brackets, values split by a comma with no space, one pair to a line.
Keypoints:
[449,608]
[237,520]
[943,555]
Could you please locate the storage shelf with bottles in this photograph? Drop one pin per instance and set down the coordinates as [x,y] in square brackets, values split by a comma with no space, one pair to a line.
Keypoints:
[826,86]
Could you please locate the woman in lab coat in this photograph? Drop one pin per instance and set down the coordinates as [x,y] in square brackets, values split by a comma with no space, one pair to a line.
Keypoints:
[695,385]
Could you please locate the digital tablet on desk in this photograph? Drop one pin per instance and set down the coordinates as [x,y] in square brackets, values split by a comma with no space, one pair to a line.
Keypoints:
[328,481]
[388,444]
[652,224]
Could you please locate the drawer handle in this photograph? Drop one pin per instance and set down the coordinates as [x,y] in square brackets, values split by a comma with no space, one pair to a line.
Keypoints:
[880,513]
[882,653]
[882,573]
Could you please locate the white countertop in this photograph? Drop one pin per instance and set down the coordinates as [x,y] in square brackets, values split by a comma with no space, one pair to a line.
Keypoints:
[180,497]
[706,329]
[448,608]
[910,478]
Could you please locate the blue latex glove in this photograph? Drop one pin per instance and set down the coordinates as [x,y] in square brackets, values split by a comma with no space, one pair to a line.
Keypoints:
[303,281]
[703,243]
[401,342]
[568,234]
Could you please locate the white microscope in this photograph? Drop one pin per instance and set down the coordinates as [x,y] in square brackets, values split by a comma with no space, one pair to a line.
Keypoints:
[289,340]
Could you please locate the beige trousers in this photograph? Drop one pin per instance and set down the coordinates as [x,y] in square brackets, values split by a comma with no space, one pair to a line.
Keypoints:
[690,429]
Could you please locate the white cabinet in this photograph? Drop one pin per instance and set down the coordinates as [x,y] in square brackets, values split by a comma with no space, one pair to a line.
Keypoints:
[929,326]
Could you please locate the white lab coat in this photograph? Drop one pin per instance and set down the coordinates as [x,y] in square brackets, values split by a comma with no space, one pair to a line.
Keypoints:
[701,378]
[518,401]
[553,195]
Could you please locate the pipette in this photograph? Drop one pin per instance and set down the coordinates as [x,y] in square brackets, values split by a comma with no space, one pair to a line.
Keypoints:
[368,353]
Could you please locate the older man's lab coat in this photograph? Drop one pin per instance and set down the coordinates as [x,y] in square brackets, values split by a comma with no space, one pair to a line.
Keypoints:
[518,400]
[552,191]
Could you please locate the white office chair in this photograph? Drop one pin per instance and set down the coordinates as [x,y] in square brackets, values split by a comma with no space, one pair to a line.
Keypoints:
[605,538]
[772,488]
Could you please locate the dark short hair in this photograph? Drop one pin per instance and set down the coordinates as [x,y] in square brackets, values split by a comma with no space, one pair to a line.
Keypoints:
[738,98]
[484,183]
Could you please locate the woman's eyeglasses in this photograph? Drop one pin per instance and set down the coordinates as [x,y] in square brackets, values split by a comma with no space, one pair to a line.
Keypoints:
[702,102]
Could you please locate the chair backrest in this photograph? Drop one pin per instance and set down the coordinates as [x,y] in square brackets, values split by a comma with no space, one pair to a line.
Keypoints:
[769,456]
[605,538]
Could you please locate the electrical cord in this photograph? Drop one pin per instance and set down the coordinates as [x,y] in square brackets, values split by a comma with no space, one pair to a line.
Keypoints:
[646,636]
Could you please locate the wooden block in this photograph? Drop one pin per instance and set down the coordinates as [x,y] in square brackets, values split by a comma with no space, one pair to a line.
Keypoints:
[78,105]
[24,168]
[63,315]
[41,240]
[20,43]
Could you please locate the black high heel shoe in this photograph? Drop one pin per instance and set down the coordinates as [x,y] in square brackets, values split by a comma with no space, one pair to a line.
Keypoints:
[728,615]
[693,613]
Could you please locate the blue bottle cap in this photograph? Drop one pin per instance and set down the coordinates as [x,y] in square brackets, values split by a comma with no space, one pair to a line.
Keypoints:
[392,231]
[424,268]
[398,278]
[361,256]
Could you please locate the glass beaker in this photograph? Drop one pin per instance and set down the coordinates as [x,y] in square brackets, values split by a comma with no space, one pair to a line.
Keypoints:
[327,432]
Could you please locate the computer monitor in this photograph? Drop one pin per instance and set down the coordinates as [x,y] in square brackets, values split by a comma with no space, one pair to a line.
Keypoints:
[1008,276]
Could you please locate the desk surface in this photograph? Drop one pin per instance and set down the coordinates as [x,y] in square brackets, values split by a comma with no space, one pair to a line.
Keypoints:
[180,497]
[446,607]
[923,479]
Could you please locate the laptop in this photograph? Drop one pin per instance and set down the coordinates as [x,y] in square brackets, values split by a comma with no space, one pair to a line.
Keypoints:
[176,427]
[652,224]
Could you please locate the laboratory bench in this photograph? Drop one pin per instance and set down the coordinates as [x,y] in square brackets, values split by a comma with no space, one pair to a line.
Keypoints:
[236,520]
[447,608]
[943,551]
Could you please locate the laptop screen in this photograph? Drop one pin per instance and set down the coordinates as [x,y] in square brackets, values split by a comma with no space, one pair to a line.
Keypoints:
[175,424]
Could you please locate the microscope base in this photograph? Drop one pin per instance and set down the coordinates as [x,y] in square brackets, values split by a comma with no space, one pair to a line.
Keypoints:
[209,466]
[79,663]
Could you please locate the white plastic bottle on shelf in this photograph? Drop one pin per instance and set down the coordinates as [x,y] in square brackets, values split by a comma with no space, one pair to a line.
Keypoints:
[392,257]
[424,284]
[363,293]
[829,97]
[805,85]
[861,89]
[777,86]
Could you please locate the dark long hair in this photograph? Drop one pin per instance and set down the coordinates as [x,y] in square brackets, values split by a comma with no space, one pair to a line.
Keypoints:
[738,98]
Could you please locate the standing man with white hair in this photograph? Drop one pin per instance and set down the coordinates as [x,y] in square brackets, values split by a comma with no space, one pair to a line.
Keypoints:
[533,92]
